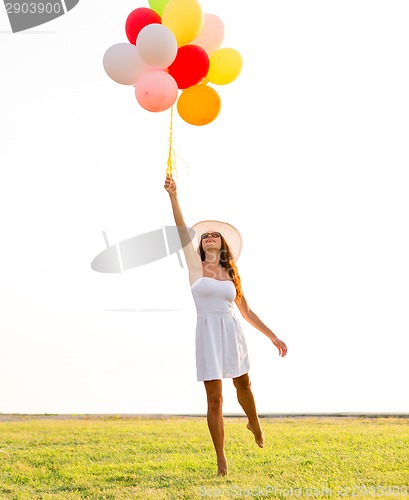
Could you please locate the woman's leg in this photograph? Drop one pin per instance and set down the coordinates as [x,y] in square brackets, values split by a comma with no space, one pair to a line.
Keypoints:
[246,400]
[215,421]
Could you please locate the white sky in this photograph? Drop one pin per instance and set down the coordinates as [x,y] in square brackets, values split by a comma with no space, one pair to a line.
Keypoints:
[308,158]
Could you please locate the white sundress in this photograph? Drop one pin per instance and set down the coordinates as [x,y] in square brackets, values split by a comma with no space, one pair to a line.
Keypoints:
[221,349]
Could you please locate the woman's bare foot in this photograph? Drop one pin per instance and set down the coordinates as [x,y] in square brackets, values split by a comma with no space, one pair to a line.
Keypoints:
[258,434]
[222,466]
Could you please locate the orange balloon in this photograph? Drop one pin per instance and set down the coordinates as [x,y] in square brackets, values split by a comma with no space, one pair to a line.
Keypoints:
[199,104]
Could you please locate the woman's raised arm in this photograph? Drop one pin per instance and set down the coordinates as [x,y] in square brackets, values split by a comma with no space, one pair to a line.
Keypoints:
[193,260]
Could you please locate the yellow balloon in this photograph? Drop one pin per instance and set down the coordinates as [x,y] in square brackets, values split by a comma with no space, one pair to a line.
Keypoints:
[225,66]
[199,104]
[184,18]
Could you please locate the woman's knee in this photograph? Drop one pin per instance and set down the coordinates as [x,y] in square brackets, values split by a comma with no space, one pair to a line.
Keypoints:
[214,401]
[214,394]
[242,382]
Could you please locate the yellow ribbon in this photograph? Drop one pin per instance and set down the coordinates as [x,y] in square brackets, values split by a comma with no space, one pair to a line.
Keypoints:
[171,163]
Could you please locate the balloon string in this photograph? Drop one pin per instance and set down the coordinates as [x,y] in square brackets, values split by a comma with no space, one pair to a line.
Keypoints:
[171,164]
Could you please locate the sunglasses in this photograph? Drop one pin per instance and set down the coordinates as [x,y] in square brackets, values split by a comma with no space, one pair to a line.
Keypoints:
[207,235]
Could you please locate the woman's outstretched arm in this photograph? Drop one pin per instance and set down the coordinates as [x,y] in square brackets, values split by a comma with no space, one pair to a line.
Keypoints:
[255,321]
[193,259]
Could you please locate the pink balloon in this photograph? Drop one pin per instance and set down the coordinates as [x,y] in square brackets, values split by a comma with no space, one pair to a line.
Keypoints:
[211,35]
[156,91]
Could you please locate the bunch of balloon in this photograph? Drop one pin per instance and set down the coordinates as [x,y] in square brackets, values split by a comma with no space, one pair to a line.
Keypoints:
[172,55]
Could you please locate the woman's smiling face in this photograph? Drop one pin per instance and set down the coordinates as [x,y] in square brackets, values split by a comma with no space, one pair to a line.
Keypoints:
[211,239]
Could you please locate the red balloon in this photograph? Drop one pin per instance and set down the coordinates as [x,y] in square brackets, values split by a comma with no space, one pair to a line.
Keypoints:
[138,19]
[190,66]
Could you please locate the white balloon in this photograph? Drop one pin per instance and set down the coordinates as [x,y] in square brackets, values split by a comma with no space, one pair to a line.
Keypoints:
[123,64]
[157,46]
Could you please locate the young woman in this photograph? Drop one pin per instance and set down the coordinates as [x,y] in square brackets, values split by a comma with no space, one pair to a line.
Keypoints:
[221,350]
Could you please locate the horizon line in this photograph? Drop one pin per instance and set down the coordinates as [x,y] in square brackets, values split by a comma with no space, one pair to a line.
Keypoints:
[15,416]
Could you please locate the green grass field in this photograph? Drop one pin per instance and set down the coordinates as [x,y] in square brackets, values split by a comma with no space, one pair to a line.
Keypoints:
[173,458]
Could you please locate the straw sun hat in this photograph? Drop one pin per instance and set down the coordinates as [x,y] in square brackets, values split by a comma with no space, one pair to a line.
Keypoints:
[229,233]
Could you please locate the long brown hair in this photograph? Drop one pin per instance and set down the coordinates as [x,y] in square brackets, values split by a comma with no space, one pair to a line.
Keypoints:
[226,261]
